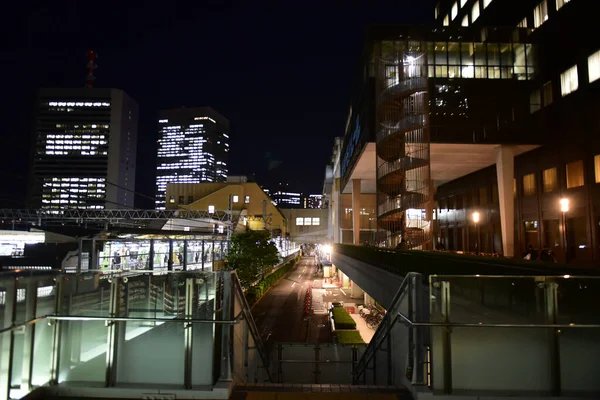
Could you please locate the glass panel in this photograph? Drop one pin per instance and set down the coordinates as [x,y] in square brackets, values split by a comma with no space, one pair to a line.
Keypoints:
[594,67]
[493,54]
[529,185]
[550,180]
[454,53]
[569,81]
[441,57]
[479,52]
[575,174]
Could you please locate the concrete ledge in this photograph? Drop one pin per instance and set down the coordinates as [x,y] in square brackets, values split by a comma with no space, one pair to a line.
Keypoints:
[222,390]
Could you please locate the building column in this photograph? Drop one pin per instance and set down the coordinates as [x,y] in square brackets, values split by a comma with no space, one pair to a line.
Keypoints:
[356,211]
[505,170]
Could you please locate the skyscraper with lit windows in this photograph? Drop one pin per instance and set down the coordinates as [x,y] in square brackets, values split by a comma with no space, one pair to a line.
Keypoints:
[193,147]
[84,150]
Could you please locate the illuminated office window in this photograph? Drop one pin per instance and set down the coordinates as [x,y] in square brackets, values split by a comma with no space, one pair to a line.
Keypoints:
[569,81]
[540,14]
[454,10]
[236,198]
[575,174]
[475,12]
[597,168]
[316,221]
[246,199]
[594,66]
[465,21]
[550,180]
[211,209]
[172,199]
[307,221]
[529,185]
[446,20]
[560,3]
[299,221]
[523,24]
[221,229]
[486,3]
[437,11]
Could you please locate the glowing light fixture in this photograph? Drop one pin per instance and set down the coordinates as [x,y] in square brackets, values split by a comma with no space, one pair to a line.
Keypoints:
[564,205]
[476,217]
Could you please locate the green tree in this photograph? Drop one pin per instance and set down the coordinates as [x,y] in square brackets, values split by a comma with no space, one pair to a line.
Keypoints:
[250,254]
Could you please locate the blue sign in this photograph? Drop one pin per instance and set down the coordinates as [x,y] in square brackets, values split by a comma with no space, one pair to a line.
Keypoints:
[351,147]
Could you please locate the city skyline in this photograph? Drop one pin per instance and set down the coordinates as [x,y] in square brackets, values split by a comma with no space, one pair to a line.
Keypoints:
[286,101]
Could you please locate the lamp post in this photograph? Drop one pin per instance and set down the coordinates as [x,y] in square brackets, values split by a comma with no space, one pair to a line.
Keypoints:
[476,220]
[564,208]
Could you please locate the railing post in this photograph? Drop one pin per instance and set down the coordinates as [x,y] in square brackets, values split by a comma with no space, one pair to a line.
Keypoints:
[553,340]
[151,256]
[56,333]
[112,333]
[419,333]
[185,254]
[29,331]
[317,359]
[170,258]
[279,363]
[446,337]
[188,331]
[226,329]
[8,339]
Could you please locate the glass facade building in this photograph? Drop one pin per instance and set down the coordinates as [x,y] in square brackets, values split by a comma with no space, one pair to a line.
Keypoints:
[422,85]
[193,147]
[85,144]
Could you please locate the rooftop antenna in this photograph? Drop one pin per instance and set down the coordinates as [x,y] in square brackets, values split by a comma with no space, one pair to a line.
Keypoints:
[91,66]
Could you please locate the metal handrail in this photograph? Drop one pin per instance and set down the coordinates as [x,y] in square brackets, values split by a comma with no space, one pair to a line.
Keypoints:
[482,325]
[252,325]
[120,319]
[373,344]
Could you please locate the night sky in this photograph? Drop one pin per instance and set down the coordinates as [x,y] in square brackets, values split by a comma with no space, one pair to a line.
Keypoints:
[281,74]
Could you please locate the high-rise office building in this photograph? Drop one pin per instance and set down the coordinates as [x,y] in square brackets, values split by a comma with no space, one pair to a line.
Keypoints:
[313,201]
[84,150]
[193,147]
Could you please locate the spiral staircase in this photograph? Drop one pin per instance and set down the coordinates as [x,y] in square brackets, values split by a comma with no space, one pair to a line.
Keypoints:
[403,182]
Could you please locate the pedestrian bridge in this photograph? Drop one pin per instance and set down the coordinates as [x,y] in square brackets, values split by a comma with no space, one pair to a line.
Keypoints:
[190,334]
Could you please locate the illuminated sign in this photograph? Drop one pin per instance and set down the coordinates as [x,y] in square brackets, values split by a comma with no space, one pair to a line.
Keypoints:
[351,147]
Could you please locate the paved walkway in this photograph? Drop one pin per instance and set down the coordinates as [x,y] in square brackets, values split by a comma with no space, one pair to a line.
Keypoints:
[361,326]
[279,315]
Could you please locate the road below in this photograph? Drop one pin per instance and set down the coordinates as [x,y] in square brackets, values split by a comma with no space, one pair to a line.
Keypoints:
[279,314]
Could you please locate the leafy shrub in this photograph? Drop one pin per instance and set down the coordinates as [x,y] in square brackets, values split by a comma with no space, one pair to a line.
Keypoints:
[255,292]
[342,319]
[349,337]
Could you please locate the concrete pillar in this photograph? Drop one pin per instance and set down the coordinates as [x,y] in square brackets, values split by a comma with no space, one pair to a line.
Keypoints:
[356,211]
[505,170]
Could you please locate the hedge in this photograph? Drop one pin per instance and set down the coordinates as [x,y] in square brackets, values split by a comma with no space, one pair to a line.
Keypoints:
[349,337]
[342,319]
[256,291]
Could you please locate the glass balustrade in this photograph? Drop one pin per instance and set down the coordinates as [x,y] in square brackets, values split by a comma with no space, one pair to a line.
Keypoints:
[135,329]
[499,335]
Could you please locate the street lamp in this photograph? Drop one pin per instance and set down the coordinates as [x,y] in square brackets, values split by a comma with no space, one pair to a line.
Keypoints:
[564,208]
[476,220]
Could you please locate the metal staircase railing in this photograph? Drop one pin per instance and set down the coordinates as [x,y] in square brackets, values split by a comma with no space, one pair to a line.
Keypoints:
[247,315]
[408,303]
